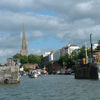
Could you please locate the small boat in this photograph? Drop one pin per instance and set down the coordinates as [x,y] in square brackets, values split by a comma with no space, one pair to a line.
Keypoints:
[44,72]
[21,71]
[34,74]
[68,72]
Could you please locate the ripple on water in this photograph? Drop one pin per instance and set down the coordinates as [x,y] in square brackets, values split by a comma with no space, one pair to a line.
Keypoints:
[52,87]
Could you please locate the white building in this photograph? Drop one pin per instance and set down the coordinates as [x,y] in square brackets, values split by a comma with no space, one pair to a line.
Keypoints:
[55,55]
[46,54]
[51,56]
[95,46]
[71,48]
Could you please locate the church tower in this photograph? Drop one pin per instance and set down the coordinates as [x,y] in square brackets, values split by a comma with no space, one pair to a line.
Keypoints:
[24,51]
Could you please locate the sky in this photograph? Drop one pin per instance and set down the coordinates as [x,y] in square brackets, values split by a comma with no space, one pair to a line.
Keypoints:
[49,24]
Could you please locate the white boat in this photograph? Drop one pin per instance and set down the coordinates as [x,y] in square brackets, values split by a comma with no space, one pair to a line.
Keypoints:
[21,71]
[34,74]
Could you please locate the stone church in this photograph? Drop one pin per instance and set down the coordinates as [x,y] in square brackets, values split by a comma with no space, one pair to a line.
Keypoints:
[24,50]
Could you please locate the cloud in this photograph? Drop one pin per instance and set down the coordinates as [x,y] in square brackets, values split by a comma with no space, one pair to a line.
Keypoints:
[12,21]
[6,53]
[40,51]
[71,21]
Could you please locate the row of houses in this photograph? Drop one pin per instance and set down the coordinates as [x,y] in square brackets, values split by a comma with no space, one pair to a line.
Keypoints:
[54,56]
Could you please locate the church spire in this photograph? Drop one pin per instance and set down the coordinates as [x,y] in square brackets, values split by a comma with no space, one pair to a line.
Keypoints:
[24,51]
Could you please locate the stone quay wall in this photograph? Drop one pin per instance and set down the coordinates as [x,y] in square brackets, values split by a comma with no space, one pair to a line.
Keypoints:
[9,75]
[86,71]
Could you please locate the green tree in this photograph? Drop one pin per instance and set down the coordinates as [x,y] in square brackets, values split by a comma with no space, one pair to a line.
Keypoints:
[34,59]
[24,60]
[66,61]
[74,56]
[17,56]
[81,53]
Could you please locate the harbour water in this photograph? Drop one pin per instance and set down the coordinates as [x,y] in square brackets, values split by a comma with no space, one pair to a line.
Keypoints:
[52,87]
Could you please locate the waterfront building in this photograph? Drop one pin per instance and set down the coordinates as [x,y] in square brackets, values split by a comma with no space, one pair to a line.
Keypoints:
[46,58]
[71,48]
[95,46]
[63,51]
[46,54]
[68,49]
[10,62]
[24,50]
[56,55]
[31,66]
[51,56]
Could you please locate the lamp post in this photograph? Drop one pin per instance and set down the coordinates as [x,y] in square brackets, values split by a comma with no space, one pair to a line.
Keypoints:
[86,53]
[91,47]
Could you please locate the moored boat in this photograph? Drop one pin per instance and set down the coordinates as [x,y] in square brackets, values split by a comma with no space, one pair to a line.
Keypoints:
[44,72]
[34,74]
[68,71]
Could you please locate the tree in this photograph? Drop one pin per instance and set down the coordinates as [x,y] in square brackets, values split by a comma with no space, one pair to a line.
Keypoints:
[74,56]
[24,60]
[81,53]
[66,61]
[17,56]
[34,59]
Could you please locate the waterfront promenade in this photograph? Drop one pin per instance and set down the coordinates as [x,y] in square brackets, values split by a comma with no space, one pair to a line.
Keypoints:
[51,87]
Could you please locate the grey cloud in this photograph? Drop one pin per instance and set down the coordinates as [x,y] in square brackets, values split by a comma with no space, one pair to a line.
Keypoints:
[13,22]
[74,17]
[9,41]
[73,7]
[73,21]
